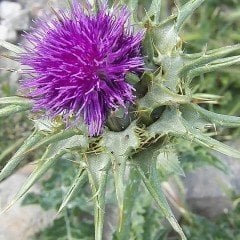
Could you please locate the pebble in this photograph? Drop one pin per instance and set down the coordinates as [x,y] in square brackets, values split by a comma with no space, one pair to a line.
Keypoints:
[12,19]
[9,9]
[207,188]
[7,33]
[21,222]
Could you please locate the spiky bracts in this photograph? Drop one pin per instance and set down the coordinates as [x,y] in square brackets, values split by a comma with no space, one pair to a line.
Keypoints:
[79,62]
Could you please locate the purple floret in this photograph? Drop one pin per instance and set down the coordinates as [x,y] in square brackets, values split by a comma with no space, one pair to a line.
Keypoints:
[79,62]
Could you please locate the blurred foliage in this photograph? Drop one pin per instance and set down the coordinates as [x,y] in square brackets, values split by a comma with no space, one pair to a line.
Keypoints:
[63,229]
[225,227]
[193,156]
[216,24]
[16,128]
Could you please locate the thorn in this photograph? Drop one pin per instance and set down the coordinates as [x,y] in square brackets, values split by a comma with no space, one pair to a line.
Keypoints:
[205,49]
[11,70]
[15,59]
[8,207]
[176,5]
[57,14]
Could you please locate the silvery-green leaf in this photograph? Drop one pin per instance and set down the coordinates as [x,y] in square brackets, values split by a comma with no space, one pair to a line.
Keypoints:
[145,163]
[126,140]
[133,6]
[120,145]
[56,137]
[11,47]
[155,10]
[171,65]
[186,11]
[39,171]
[77,184]
[98,166]
[168,162]
[212,66]
[194,118]
[165,36]
[152,181]
[218,119]
[159,95]
[197,136]
[169,123]
[148,49]
[214,53]
[76,141]
[49,158]
[6,111]
[130,195]
[19,155]
[207,58]
[44,124]
[10,149]
[15,101]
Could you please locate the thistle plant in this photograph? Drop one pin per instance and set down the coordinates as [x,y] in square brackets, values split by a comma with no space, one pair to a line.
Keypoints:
[112,90]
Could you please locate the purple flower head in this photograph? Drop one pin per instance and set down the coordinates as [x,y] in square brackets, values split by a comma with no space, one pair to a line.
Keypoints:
[79,62]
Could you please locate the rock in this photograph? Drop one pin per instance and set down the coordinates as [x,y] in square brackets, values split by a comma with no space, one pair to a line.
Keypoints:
[21,222]
[205,192]
[13,19]
[17,22]
[21,21]
[9,9]
[42,7]
[234,166]
[207,187]
[7,33]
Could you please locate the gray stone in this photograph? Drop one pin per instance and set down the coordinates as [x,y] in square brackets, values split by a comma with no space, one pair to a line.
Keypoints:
[13,19]
[234,166]
[7,33]
[42,7]
[9,9]
[207,188]
[205,192]
[20,21]
[19,223]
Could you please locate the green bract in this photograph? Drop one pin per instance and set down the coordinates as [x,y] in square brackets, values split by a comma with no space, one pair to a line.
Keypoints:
[139,148]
